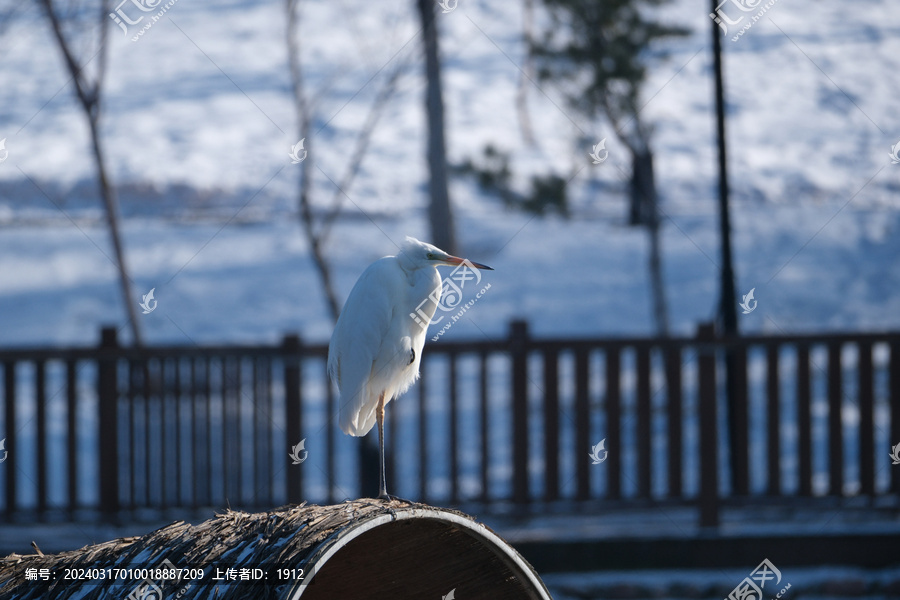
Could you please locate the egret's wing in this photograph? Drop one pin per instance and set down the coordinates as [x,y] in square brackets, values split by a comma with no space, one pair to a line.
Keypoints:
[357,340]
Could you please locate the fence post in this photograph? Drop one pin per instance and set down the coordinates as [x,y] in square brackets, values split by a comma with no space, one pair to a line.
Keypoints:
[293,414]
[835,421]
[614,422]
[894,403]
[675,417]
[738,415]
[518,337]
[709,463]
[108,422]
[644,439]
[582,424]
[804,421]
[866,421]
[9,400]
[40,399]
[551,425]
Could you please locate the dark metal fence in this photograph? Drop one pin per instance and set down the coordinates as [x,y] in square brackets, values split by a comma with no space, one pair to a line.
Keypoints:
[509,422]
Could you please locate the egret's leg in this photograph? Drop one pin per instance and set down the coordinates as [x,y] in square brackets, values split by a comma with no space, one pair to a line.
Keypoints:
[382,481]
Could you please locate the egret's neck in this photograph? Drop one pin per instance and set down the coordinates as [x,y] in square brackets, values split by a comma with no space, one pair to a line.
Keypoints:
[418,273]
[409,265]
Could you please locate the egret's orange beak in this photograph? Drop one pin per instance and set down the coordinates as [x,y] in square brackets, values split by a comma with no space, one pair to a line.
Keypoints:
[456,261]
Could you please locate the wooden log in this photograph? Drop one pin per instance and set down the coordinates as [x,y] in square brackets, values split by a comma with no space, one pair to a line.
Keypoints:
[359,549]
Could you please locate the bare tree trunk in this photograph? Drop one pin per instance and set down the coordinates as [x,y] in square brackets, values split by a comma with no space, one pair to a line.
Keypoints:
[660,310]
[440,215]
[305,119]
[643,196]
[642,187]
[110,202]
[643,205]
[318,236]
[89,95]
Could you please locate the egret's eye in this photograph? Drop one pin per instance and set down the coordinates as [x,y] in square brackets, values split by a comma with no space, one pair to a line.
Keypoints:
[430,256]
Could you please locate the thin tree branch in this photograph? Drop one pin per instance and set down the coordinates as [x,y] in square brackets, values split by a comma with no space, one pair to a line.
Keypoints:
[103,19]
[359,152]
[526,75]
[301,107]
[84,96]
[89,95]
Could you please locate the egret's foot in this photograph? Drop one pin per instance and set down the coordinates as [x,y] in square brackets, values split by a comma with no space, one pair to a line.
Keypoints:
[392,498]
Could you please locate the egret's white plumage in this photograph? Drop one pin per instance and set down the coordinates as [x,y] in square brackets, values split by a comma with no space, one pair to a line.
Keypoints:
[375,338]
[376,347]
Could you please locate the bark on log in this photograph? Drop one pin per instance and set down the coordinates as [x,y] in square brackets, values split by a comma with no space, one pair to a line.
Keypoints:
[366,549]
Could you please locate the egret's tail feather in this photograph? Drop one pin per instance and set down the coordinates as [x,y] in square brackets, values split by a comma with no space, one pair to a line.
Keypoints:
[358,414]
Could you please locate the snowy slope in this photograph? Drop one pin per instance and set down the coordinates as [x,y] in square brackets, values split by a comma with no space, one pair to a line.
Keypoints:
[199,109]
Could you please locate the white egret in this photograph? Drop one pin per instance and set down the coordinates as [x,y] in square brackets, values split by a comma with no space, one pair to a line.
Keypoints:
[376,346]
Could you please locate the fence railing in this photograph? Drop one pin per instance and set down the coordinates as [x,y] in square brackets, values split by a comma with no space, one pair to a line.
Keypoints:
[514,421]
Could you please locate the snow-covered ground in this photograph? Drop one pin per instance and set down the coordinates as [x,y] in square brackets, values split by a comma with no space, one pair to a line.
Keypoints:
[818,582]
[198,120]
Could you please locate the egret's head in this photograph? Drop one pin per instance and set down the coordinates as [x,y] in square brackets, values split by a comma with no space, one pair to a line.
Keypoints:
[418,254]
